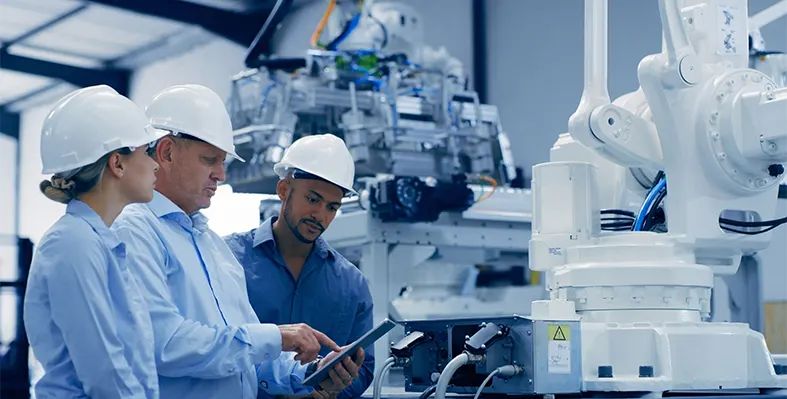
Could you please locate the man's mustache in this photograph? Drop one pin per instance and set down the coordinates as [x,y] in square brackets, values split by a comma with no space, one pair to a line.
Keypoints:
[313,223]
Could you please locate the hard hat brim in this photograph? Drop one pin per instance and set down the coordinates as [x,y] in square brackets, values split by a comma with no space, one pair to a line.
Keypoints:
[281,169]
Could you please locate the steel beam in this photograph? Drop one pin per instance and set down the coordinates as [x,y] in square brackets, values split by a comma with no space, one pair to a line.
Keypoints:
[9,123]
[118,79]
[479,49]
[239,28]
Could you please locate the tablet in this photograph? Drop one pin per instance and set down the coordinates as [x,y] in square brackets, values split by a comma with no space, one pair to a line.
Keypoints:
[365,341]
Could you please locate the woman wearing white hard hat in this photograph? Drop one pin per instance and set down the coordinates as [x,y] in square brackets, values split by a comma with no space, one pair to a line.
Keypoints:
[85,319]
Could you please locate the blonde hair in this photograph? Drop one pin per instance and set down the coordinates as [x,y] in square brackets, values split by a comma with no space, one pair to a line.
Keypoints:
[66,186]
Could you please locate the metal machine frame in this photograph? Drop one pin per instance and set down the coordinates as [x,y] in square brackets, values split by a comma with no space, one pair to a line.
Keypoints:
[501,222]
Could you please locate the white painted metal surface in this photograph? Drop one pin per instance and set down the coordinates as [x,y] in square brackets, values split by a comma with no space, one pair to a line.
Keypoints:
[643,297]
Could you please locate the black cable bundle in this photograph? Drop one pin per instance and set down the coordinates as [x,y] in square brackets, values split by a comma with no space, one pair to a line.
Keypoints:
[621,220]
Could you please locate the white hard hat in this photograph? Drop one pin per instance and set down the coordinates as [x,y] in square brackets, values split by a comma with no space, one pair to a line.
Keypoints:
[89,123]
[322,155]
[194,110]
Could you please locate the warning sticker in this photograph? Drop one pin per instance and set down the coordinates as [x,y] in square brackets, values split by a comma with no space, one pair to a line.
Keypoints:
[559,349]
[559,332]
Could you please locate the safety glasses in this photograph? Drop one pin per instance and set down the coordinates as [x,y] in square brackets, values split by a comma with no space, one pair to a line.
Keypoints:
[149,151]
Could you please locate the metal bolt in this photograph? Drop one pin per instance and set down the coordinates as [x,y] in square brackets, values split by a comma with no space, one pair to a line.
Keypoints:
[715,135]
[435,377]
[483,347]
[721,96]
[769,95]
[722,156]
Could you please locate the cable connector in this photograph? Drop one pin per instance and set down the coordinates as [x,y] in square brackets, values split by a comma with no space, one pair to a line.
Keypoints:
[509,371]
[485,337]
[404,347]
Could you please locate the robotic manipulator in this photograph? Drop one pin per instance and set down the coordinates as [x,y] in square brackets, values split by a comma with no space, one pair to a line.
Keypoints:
[630,280]
[403,109]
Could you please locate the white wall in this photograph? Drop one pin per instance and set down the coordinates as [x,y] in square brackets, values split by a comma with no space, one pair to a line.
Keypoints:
[36,212]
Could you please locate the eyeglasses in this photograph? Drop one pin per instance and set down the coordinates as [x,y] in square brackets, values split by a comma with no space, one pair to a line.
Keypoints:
[150,151]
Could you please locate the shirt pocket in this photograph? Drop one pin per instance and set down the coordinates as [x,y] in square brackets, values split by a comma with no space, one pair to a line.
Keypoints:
[332,315]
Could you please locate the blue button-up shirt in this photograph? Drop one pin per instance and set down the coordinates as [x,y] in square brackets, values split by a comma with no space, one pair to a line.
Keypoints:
[330,295]
[84,315]
[208,341]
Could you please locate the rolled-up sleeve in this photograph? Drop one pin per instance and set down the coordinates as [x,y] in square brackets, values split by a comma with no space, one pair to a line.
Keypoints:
[188,348]
[81,307]
[363,322]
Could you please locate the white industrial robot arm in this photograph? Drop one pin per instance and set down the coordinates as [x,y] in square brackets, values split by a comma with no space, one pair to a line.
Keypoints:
[768,15]
[616,133]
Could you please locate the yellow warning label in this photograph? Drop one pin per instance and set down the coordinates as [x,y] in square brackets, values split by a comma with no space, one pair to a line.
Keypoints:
[559,332]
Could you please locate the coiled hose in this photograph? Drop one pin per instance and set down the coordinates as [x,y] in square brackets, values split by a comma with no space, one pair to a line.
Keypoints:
[380,375]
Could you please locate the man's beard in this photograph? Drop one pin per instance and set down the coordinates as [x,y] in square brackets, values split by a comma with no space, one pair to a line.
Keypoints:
[294,226]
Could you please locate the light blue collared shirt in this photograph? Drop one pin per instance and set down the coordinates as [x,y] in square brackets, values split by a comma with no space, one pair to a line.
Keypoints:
[208,341]
[330,295]
[84,315]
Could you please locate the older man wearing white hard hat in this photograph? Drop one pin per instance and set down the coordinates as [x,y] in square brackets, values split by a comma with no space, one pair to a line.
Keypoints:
[208,341]
[292,274]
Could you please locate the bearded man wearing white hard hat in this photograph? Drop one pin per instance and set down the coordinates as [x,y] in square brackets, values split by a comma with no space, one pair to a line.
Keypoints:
[292,274]
[208,341]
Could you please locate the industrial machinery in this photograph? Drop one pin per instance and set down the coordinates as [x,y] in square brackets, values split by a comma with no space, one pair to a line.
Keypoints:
[443,222]
[772,63]
[629,300]
[403,108]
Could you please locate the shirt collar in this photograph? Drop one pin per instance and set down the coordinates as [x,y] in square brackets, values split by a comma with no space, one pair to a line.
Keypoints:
[83,211]
[163,207]
[264,234]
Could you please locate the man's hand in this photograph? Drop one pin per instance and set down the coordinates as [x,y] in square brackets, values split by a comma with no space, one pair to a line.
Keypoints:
[305,341]
[342,374]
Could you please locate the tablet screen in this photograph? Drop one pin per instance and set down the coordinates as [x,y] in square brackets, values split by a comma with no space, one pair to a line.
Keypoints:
[365,341]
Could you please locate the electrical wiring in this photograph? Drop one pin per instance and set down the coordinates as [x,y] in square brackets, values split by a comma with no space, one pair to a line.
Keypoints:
[488,194]
[768,224]
[321,26]
[649,203]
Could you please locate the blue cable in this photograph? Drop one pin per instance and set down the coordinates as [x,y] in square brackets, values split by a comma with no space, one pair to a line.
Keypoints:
[654,192]
[265,94]
[352,25]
